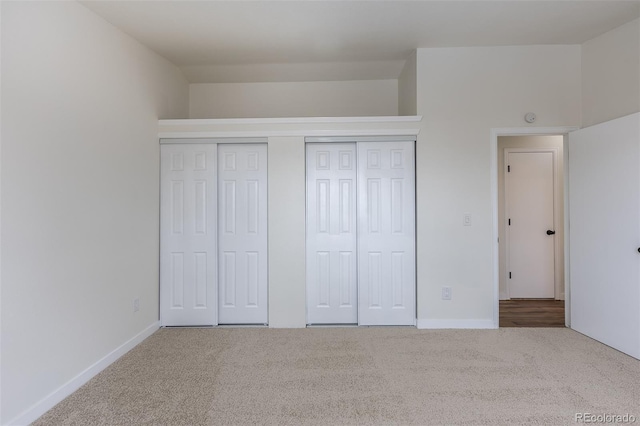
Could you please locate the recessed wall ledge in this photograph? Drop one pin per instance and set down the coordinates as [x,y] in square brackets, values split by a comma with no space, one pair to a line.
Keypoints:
[291,120]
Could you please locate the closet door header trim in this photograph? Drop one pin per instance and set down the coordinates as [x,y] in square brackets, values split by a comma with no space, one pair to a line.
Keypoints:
[290,120]
[211,140]
[343,139]
[263,134]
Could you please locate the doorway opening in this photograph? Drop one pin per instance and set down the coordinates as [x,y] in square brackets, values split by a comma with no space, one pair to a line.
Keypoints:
[530,227]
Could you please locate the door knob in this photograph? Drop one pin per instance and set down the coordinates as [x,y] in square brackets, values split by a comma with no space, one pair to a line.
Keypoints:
[550,232]
[638,249]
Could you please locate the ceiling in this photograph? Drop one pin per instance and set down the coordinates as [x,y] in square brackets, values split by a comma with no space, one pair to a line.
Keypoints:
[247,41]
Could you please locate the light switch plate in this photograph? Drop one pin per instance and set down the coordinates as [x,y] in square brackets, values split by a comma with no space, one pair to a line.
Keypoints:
[466,219]
[446,293]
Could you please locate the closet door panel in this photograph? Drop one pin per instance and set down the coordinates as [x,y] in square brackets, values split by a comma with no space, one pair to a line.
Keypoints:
[331,234]
[188,234]
[242,248]
[386,233]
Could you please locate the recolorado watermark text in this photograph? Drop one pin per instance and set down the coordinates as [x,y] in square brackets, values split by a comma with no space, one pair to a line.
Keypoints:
[604,418]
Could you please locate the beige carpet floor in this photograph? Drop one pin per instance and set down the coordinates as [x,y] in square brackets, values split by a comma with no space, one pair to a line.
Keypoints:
[357,376]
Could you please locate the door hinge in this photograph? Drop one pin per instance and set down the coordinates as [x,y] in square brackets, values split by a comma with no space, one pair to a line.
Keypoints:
[509,275]
[508,169]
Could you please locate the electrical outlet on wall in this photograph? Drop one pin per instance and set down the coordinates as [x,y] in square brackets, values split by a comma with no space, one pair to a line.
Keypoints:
[446,293]
[136,304]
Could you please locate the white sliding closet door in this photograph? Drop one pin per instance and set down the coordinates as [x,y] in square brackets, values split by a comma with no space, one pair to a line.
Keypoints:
[188,235]
[242,248]
[386,233]
[331,234]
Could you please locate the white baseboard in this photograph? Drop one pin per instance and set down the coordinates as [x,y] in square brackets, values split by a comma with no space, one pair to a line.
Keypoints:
[454,323]
[48,402]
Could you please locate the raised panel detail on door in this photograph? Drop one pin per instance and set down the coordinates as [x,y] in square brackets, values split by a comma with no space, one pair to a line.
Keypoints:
[386,233]
[188,235]
[242,246]
[331,234]
[374,280]
[529,193]
[228,279]
[176,282]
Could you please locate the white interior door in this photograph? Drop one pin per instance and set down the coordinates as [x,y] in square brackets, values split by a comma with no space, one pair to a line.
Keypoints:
[188,235]
[529,196]
[386,233]
[242,246]
[604,220]
[331,234]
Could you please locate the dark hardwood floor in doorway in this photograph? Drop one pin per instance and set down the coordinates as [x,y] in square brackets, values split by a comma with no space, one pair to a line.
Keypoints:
[532,313]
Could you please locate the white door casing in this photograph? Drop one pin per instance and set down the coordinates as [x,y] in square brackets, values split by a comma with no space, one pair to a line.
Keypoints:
[188,235]
[604,219]
[331,234]
[529,212]
[386,233]
[242,233]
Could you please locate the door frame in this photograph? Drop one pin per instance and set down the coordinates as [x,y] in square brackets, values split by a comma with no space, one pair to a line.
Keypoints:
[557,218]
[493,145]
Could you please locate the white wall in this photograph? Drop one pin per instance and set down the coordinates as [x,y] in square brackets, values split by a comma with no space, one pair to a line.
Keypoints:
[463,93]
[287,273]
[294,99]
[529,142]
[611,75]
[80,164]
[407,87]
